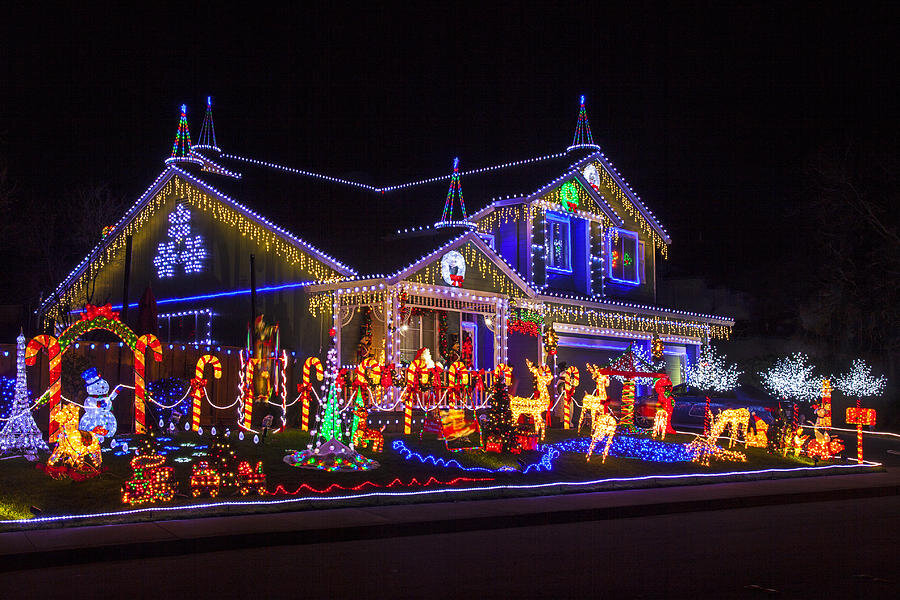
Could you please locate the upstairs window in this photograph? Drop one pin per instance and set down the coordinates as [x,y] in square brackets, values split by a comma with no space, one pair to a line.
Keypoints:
[559,242]
[623,256]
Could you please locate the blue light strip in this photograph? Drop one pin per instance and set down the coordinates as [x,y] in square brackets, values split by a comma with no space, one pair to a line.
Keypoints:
[486,488]
[545,464]
[624,446]
[262,290]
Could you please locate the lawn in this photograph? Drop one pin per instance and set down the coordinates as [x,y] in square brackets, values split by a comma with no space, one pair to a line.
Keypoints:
[22,486]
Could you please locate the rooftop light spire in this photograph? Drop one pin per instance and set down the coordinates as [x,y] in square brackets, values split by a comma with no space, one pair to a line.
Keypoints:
[208,129]
[181,147]
[182,144]
[454,194]
[583,137]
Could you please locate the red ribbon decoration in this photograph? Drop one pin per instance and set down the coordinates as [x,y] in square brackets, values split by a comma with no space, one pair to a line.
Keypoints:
[197,384]
[91,312]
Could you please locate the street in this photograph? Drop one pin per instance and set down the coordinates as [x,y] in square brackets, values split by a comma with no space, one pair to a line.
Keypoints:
[840,549]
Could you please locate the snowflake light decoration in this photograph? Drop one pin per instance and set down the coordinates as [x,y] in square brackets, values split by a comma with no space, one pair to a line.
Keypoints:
[791,377]
[859,382]
[710,372]
[182,248]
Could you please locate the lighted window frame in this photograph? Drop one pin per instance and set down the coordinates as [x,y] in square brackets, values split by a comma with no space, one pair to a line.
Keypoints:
[622,234]
[202,326]
[420,332]
[559,227]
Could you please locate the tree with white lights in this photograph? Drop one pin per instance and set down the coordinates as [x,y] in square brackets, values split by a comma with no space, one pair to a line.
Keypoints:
[859,382]
[710,372]
[792,377]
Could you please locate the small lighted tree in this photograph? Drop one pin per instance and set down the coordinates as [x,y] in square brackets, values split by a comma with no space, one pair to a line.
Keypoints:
[710,372]
[859,382]
[791,378]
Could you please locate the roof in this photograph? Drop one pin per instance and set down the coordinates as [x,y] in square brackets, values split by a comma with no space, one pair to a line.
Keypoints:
[358,223]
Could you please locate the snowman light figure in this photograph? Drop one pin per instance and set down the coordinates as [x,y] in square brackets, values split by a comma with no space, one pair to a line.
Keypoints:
[98,417]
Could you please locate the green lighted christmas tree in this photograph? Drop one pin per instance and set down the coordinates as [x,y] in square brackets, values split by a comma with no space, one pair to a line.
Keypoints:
[499,425]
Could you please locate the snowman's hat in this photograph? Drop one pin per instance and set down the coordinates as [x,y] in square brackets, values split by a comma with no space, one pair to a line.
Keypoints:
[90,376]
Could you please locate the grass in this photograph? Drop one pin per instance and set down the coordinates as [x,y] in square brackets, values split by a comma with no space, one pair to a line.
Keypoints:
[23,486]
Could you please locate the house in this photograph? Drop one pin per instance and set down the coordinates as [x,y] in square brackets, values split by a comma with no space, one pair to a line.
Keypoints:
[557,241]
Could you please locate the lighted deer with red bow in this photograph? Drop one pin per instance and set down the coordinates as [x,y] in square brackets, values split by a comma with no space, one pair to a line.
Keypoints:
[534,406]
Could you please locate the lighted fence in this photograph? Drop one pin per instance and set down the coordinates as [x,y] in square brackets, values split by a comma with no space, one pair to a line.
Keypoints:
[389,404]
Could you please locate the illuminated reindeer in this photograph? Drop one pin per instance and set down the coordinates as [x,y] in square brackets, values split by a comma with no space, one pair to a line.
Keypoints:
[603,424]
[704,448]
[594,403]
[534,406]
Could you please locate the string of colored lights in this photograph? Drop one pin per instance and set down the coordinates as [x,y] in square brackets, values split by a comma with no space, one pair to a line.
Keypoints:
[382,190]
[397,482]
[441,491]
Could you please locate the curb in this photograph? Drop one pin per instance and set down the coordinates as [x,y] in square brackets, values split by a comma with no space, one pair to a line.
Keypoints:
[293,537]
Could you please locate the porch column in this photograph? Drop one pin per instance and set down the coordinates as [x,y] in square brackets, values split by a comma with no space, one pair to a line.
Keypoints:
[336,323]
[498,336]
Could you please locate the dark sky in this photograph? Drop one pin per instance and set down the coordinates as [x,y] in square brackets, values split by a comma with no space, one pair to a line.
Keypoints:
[707,111]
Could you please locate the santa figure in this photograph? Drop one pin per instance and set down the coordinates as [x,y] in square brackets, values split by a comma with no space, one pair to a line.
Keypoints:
[98,417]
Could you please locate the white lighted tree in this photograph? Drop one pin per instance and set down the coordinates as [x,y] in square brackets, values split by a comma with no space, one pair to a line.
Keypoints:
[792,377]
[711,372]
[859,382]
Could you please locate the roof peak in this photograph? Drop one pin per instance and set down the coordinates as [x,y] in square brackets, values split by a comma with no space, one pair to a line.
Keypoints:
[583,137]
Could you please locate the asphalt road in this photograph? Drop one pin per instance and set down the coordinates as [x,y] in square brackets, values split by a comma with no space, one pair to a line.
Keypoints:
[836,549]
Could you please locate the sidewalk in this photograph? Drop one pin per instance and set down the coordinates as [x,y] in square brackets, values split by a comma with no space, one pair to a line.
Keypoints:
[38,548]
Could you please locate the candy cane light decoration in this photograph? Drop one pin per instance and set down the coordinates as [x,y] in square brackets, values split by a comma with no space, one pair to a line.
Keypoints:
[55,365]
[198,385]
[571,379]
[145,342]
[311,366]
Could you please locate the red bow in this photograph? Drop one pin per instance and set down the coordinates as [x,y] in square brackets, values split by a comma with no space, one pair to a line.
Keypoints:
[197,384]
[91,312]
[456,280]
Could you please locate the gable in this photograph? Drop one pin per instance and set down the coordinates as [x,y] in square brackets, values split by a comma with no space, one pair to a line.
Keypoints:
[212,234]
[598,177]
[481,269]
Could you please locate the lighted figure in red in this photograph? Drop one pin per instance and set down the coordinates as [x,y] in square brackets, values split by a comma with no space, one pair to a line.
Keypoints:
[663,389]
[823,446]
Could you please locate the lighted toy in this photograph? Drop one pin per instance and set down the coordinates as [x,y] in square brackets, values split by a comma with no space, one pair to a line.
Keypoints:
[205,480]
[72,444]
[251,478]
[364,435]
[152,480]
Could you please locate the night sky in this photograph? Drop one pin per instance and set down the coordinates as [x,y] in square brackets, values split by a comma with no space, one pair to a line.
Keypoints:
[708,112]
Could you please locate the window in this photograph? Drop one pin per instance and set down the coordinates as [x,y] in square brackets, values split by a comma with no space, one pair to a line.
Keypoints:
[419,333]
[623,256]
[191,326]
[559,242]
